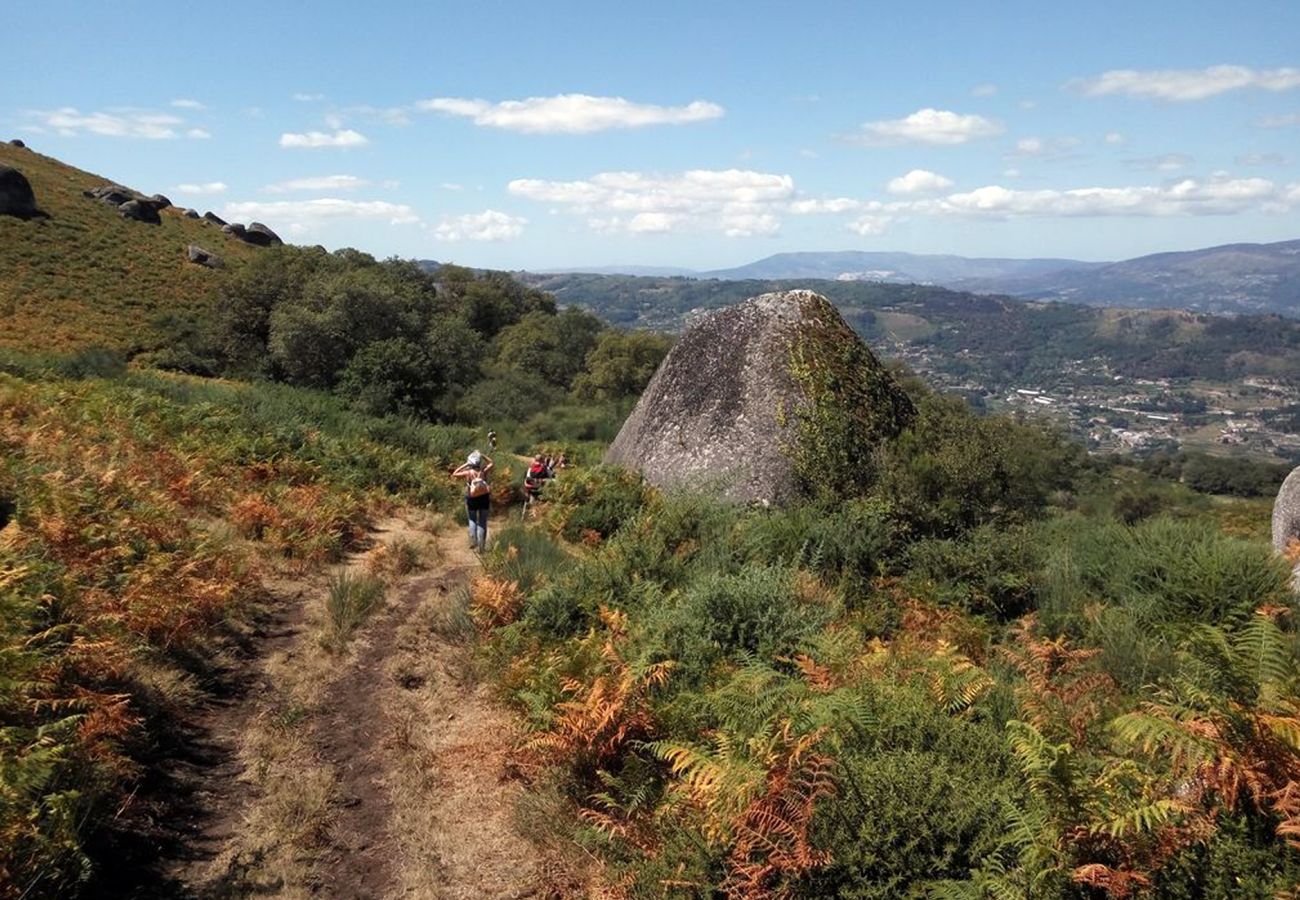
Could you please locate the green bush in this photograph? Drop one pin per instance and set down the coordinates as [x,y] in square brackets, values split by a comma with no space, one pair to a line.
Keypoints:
[599,500]
[989,572]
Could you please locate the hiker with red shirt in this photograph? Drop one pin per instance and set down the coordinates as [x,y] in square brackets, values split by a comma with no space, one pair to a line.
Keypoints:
[478,496]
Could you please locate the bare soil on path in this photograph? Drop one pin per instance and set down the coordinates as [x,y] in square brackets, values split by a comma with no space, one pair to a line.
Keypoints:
[379,771]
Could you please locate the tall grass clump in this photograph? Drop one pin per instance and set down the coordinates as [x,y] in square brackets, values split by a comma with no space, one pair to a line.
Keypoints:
[351,599]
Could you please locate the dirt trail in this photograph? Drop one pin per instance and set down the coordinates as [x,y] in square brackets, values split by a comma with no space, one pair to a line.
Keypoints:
[379,772]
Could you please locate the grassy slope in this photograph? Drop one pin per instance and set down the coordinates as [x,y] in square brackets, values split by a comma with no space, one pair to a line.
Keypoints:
[86,276]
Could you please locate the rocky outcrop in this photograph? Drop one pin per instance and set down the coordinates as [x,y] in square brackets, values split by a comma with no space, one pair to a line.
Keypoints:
[212,217]
[16,195]
[199,256]
[234,229]
[16,142]
[259,234]
[190,213]
[764,401]
[140,211]
[111,194]
[159,201]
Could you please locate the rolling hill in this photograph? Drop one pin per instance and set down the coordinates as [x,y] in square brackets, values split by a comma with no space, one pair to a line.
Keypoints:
[83,275]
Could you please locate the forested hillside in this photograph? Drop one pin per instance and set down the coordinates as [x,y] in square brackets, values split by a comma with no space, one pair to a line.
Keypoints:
[992,338]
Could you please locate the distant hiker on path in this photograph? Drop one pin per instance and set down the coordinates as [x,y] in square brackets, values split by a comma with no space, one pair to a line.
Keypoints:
[492,440]
[478,496]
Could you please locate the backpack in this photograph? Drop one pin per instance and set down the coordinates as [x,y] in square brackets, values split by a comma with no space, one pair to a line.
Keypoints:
[478,486]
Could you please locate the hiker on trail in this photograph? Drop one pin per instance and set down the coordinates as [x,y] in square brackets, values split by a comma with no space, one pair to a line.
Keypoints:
[538,471]
[492,440]
[478,496]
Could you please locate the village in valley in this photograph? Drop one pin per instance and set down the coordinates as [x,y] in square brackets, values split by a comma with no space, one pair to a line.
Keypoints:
[1254,417]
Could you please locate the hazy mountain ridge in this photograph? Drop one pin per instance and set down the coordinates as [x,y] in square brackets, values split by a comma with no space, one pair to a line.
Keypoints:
[1232,278]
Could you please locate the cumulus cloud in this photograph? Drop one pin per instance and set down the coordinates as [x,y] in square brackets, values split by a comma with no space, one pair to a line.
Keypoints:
[938,127]
[1188,197]
[870,226]
[489,225]
[207,187]
[918,181]
[1186,84]
[832,205]
[119,123]
[345,137]
[186,103]
[570,113]
[318,183]
[737,202]
[1045,148]
[305,214]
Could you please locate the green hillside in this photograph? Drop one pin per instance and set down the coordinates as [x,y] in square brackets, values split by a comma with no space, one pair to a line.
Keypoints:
[86,276]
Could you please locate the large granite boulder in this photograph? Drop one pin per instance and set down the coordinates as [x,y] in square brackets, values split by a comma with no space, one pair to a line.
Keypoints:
[764,401]
[160,201]
[16,195]
[190,213]
[259,234]
[212,217]
[1286,513]
[17,142]
[140,211]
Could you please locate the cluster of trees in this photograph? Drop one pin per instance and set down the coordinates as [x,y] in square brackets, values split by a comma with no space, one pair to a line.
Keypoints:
[1208,474]
[451,345]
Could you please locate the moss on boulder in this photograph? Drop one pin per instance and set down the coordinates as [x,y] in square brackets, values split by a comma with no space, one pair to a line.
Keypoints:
[765,401]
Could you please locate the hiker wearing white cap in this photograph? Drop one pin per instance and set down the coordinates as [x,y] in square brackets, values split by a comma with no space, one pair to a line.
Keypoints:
[478,496]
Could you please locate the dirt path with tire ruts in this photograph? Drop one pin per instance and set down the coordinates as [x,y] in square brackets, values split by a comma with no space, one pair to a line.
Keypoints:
[374,771]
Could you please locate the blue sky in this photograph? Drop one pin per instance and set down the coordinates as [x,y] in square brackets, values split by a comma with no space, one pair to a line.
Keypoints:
[700,134]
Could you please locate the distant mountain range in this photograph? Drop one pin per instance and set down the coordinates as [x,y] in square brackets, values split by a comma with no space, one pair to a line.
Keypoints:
[1234,278]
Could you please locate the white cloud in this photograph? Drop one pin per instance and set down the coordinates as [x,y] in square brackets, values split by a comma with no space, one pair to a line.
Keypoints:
[304,214]
[1286,120]
[199,134]
[870,226]
[984,90]
[1011,173]
[186,103]
[340,138]
[1045,148]
[807,153]
[1187,84]
[207,187]
[652,223]
[938,127]
[308,98]
[488,225]
[1187,197]
[1166,162]
[122,123]
[570,113]
[1114,138]
[833,205]
[318,183]
[736,202]
[451,186]
[918,181]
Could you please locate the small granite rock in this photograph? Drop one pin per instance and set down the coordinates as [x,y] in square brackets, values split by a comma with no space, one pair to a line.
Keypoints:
[203,257]
[159,201]
[140,211]
[17,143]
[213,218]
[16,195]
[190,213]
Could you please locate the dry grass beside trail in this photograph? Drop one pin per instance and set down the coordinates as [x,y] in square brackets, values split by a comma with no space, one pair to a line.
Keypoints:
[380,769]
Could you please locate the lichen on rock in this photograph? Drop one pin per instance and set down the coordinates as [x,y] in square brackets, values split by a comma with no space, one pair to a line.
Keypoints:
[765,401]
